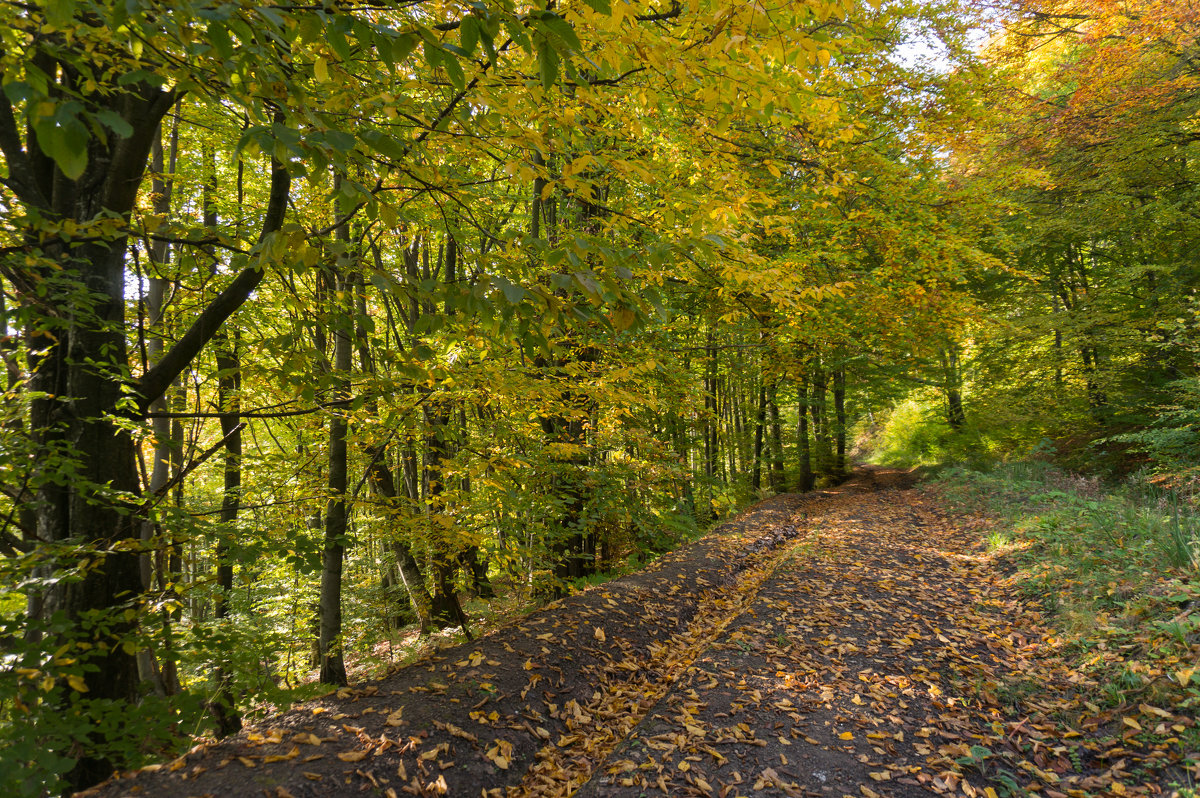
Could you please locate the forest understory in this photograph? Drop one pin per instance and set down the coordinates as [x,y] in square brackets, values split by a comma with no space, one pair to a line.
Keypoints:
[859,640]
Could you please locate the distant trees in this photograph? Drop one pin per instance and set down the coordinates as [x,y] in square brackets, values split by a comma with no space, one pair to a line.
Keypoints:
[1091,328]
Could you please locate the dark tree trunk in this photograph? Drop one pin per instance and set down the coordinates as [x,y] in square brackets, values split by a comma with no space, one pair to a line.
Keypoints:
[333,666]
[229,384]
[805,482]
[77,376]
[956,416]
[383,480]
[839,410]
[446,611]
[223,706]
[817,406]
[777,478]
[711,453]
[760,423]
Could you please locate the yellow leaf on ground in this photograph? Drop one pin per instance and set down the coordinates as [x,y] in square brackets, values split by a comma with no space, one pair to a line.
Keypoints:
[352,756]
[295,752]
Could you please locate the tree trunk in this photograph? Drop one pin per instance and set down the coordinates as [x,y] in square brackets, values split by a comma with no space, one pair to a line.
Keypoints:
[805,482]
[839,409]
[333,666]
[823,459]
[952,384]
[777,478]
[383,480]
[760,422]
[229,384]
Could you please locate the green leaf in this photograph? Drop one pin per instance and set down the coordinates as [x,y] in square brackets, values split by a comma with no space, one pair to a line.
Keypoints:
[547,65]
[468,32]
[402,47]
[513,293]
[335,34]
[64,139]
[560,28]
[218,35]
[114,122]
[308,28]
[489,45]
[433,54]
[384,144]
[600,6]
[454,71]
[59,12]
[517,31]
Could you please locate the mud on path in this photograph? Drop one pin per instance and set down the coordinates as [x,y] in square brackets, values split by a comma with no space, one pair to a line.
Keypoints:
[843,642]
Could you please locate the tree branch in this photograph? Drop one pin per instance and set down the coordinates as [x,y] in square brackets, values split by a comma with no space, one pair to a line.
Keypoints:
[155,382]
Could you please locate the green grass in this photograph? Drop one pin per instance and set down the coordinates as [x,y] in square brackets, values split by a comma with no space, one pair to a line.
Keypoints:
[1116,568]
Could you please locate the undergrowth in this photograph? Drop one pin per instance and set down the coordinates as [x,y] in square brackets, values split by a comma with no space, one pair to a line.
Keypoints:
[1117,570]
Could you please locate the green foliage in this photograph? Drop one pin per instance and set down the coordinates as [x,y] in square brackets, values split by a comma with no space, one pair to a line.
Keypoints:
[1172,441]
[914,432]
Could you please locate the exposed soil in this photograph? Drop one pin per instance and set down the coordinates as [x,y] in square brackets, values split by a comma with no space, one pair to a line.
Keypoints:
[843,642]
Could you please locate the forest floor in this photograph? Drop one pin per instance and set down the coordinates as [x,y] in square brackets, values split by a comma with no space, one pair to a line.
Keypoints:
[855,641]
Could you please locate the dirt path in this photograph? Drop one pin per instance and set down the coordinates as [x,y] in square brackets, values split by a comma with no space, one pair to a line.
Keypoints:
[849,642]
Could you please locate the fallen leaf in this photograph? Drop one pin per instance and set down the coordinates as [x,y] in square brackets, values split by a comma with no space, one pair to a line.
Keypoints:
[295,752]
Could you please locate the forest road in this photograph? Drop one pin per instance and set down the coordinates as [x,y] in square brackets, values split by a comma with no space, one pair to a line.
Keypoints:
[834,643]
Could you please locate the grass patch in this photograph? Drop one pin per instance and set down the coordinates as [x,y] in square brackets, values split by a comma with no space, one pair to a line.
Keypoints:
[1116,569]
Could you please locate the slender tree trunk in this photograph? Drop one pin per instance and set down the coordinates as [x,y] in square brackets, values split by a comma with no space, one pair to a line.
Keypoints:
[839,409]
[164,675]
[823,460]
[710,418]
[952,383]
[223,706]
[777,477]
[333,666]
[802,442]
[446,610]
[760,422]
[383,480]
[229,383]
